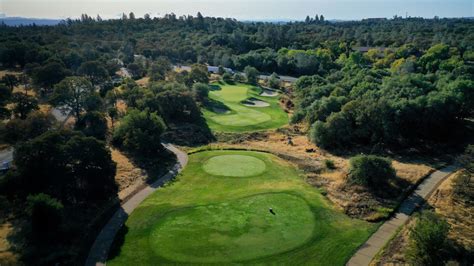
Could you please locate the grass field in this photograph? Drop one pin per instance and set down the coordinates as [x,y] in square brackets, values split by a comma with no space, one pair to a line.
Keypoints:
[209,216]
[226,113]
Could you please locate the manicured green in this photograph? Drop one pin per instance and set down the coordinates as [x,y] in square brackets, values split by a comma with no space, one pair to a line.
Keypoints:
[241,118]
[205,218]
[241,165]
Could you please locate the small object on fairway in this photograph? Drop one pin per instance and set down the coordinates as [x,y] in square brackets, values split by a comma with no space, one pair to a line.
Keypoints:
[271,211]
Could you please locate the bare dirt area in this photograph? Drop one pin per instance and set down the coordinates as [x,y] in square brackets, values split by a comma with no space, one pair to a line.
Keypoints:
[354,201]
[128,176]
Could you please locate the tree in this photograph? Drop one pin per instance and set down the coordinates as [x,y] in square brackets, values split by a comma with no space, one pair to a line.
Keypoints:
[11,81]
[198,73]
[428,240]
[71,95]
[251,74]
[23,104]
[140,132]
[45,214]
[92,124]
[131,16]
[34,125]
[136,70]
[94,71]
[201,92]
[5,97]
[159,69]
[66,165]
[227,78]
[113,114]
[49,75]
[371,171]
[274,81]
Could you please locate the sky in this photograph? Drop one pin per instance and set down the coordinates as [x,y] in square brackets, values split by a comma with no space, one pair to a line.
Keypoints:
[240,9]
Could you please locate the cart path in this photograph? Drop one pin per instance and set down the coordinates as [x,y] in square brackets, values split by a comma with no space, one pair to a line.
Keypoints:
[100,249]
[367,251]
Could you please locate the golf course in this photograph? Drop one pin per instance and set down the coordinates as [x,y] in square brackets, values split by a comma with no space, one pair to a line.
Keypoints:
[232,206]
[240,108]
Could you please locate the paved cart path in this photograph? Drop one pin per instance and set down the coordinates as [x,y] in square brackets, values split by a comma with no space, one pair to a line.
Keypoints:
[100,249]
[376,242]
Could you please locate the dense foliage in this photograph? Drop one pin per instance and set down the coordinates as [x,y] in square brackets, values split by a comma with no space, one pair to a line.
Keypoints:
[395,98]
[140,132]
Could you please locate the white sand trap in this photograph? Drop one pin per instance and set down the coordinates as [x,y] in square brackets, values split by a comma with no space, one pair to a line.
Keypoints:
[219,110]
[269,93]
[255,103]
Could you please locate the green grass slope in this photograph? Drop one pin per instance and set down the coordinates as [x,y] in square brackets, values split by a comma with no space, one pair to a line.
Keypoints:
[238,117]
[206,218]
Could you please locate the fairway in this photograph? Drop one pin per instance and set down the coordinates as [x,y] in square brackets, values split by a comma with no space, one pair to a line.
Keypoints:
[228,111]
[218,211]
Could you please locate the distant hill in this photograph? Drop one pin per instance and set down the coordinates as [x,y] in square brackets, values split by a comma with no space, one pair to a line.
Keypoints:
[18,21]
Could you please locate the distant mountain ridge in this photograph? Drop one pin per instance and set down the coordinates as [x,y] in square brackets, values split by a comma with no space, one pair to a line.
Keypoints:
[18,21]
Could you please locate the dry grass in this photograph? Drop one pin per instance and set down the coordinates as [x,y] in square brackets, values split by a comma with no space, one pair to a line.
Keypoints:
[7,257]
[128,176]
[143,81]
[458,214]
[9,72]
[310,158]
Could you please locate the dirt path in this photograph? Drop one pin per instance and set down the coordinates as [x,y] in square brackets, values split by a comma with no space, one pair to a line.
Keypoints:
[377,241]
[100,249]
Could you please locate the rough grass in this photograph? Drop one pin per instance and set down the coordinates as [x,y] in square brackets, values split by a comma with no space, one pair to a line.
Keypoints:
[201,218]
[241,118]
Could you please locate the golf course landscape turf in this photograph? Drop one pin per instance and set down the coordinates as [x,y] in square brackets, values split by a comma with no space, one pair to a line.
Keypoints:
[218,211]
[227,111]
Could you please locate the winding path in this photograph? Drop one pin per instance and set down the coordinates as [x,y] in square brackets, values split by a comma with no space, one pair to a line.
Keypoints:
[366,253]
[100,249]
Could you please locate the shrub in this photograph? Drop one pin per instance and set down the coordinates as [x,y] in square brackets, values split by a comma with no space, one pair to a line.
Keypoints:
[140,132]
[370,171]
[329,164]
[252,74]
[227,78]
[428,239]
[45,212]
[201,92]
[92,124]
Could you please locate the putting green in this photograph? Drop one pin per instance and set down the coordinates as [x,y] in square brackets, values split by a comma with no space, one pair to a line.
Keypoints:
[237,116]
[234,165]
[245,225]
[200,219]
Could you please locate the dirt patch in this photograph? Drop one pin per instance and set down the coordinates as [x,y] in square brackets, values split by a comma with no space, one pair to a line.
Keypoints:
[255,103]
[128,176]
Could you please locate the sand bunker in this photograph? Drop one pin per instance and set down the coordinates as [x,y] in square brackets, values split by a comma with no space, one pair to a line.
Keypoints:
[218,110]
[255,103]
[269,93]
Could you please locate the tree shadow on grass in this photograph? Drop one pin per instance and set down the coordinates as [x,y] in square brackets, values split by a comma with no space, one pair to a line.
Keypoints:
[118,242]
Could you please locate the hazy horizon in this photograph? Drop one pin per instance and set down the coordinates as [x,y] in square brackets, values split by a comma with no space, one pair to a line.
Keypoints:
[242,10]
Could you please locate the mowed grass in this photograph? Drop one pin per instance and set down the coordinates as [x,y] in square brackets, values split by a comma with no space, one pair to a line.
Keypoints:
[206,218]
[241,118]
